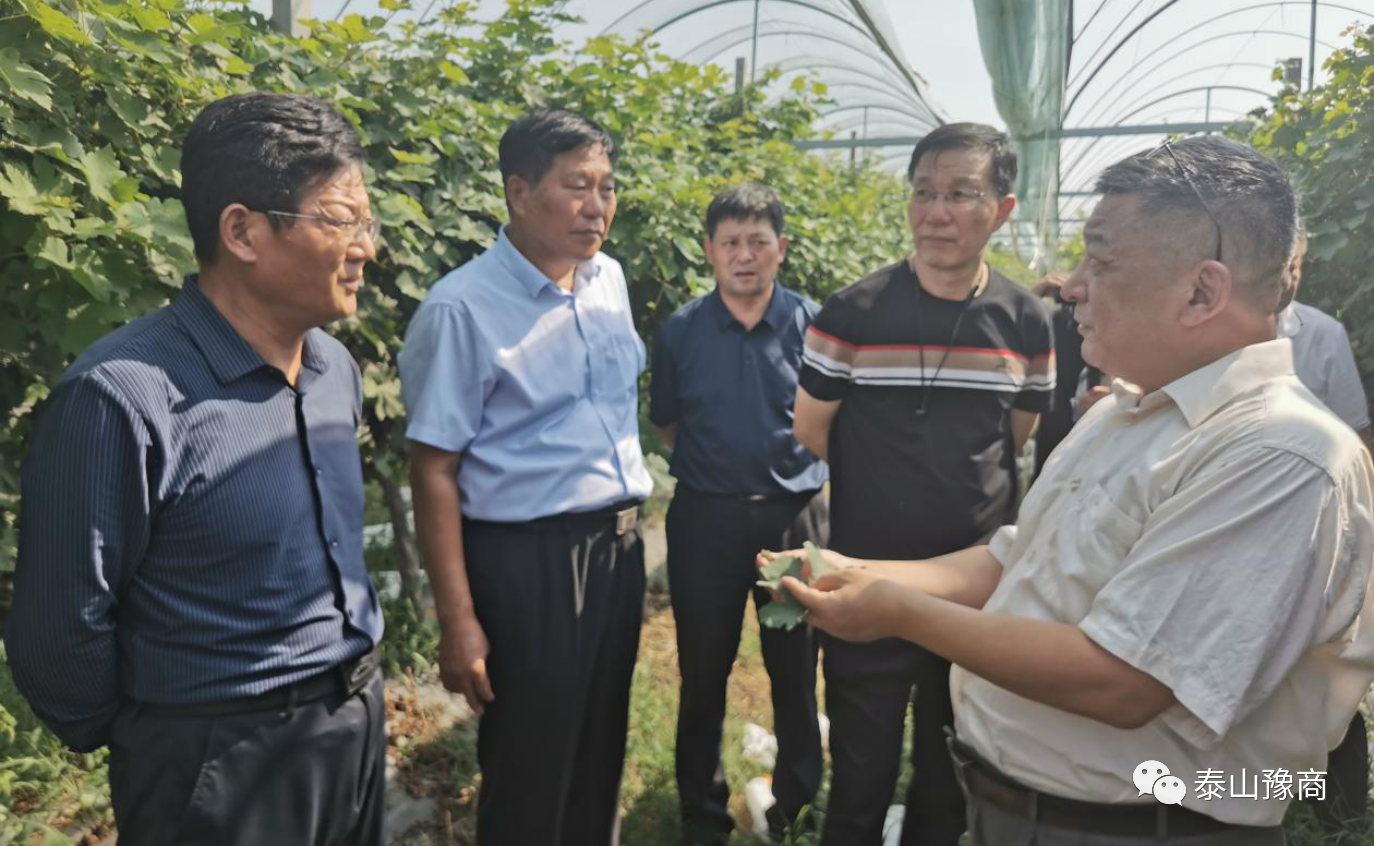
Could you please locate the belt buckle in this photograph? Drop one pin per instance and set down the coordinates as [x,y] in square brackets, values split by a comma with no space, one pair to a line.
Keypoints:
[626,519]
[357,673]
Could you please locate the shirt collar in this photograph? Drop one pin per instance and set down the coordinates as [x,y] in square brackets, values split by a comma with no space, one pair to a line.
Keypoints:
[531,278]
[1290,321]
[775,315]
[228,354]
[1201,393]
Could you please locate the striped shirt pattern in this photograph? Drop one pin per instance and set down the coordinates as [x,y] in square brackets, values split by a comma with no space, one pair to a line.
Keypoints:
[975,368]
[191,525]
[922,459]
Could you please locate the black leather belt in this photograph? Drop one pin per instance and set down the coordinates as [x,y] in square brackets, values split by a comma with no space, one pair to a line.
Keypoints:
[624,516]
[980,779]
[799,496]
[346,679]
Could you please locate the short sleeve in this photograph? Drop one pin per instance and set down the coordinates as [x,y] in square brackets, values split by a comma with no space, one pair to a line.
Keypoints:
[828,354]
[1345,395]
[1229,584]
[447,373]
[1037,333]
[665,407]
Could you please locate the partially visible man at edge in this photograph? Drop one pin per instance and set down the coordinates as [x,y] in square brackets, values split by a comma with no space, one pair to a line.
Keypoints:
[1325,363]
[520,376]
[1187,582]
[921,383]
[190,587]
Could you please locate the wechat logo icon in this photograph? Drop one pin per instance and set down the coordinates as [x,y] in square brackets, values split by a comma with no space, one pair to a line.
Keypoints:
[1154,778]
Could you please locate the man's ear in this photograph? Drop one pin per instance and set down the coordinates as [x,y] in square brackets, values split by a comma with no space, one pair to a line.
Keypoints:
[782,247]
[1004,207]
[518,195]
[1211,288]
[709,248]
[241,231]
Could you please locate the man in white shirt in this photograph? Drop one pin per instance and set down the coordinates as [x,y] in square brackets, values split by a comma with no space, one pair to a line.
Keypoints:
[1185,588]
[1321,352]
[1325,363]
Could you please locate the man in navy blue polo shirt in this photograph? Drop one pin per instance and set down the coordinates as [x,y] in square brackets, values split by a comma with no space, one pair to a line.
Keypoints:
[724,377]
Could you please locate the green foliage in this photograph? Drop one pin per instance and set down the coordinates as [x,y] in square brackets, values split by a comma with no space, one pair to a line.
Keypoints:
[95,97]
[41,781]
[411,639]
[1325,138]
[784,611]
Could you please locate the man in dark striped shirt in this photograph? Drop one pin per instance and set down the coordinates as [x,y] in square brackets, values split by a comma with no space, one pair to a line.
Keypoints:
[190,587]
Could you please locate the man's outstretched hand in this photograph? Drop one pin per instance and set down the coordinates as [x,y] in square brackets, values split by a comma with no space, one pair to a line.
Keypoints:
[853,603]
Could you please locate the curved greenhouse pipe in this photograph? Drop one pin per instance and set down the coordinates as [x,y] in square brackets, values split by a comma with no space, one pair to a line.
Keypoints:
[1211,20]
[786,33]
[1115,147]
[851,108]
[1122,43]
[866,82]
[718,3]
[1088,117]
[868,31]
[871,89]
[1106,41]
[767,29]
[1126,117]
[882,125]
[1188,49]
[797,64]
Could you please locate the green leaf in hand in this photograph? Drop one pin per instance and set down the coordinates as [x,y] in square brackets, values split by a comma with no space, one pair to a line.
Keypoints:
[818,566]
[782,614]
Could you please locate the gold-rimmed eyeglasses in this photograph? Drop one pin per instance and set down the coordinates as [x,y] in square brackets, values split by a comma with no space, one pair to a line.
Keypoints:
[370,226]
[1167,147]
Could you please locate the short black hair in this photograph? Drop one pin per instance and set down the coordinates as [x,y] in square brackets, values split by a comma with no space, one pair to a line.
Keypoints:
[971,136]
[262,150]
[530,145]
[1248,192]
[747,201]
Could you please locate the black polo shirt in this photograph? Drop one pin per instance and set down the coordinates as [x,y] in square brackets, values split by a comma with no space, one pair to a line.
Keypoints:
[732,392]
[921,453]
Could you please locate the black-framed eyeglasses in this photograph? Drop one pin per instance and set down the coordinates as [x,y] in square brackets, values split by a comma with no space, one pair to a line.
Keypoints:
[1187,172]
[369,225]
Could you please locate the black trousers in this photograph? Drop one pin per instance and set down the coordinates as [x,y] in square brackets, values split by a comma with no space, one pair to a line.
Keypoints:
[1347,782]
[712,542]
[867,688]
[310,775]
[561,605]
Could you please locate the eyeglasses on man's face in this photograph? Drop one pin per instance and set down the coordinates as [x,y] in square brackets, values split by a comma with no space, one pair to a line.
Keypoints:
[961,198]
[1167,147]
[370,226]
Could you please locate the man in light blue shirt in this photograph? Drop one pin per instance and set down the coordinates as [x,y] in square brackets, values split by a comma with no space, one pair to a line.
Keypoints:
[520,375]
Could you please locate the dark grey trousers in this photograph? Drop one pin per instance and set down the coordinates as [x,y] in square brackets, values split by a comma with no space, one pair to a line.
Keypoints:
[313,775]
[712,542]
[989,825]
[561,606]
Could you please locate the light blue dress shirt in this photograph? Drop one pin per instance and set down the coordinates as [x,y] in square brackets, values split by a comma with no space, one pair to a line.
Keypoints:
[536,386]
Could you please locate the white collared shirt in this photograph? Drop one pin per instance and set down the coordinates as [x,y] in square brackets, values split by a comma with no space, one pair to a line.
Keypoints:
[1217,534]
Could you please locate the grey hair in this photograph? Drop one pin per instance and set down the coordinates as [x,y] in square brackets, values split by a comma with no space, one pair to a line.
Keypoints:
[1248,192]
